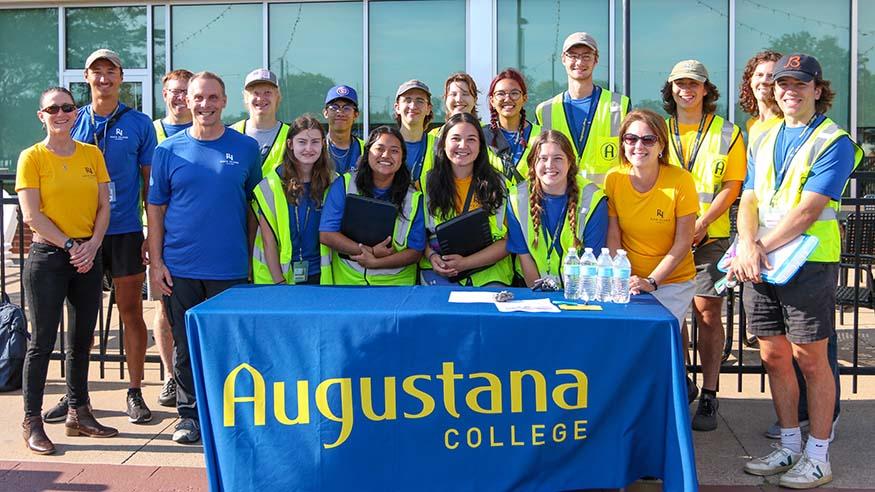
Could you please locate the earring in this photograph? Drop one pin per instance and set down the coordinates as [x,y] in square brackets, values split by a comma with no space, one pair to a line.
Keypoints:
[660,155]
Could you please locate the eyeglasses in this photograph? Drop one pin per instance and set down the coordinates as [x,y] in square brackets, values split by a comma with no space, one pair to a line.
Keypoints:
[335,108]
[514,95]
[54,108]
[178,92]
[631,139]
[574,57]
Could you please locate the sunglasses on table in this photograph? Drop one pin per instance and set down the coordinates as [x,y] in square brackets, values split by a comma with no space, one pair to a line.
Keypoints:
[54,108]
[648,140]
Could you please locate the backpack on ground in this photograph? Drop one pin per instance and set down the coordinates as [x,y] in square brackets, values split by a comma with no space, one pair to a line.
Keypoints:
[13,344]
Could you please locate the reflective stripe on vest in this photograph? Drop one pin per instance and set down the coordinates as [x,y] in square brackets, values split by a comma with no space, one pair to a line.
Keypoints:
[500,271]
[589,196]
[788,195]
[273,206]
[275,157]
[601,151]
[349,272]
[709,167]
[159,131]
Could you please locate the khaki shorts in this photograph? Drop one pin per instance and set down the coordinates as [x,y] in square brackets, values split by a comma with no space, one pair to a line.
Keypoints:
[706,258]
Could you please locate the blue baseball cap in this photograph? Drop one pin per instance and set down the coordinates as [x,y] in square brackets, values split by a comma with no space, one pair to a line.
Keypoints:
[342,92]
[799,66]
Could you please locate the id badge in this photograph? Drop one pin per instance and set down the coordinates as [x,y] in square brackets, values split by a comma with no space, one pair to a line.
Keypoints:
[772,217]
[112,192]
[299,269]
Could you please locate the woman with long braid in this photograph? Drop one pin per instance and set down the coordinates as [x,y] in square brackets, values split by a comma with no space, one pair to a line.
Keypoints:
[553,210]
[509,134]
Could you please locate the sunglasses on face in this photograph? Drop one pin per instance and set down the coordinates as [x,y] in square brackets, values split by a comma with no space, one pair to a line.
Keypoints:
[54,108]
[631,139]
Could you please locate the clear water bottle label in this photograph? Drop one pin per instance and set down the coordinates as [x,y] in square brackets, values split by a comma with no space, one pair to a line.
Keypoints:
[604,271]
[590,271]
[622,272]
[572,270]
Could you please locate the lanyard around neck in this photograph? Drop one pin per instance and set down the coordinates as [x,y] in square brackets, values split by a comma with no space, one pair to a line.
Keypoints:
[102,142]
[587,123]
[793,149]
[298,227]
[679,146]
[555,238]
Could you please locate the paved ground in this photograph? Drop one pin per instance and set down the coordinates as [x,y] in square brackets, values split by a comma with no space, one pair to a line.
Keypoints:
[143,458]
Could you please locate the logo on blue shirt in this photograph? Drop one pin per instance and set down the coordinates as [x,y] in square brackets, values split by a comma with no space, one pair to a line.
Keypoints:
[119,134]
[229,160]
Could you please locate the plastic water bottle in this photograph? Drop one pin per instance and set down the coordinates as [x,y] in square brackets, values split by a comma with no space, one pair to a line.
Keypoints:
[571,274]
[605,265]
[622,272]
[588,273]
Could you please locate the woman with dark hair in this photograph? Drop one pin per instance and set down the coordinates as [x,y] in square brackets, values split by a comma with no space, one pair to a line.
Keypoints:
[380,174]
[63,188]
[652,209]
[289,206]
[554,210]
[757,93]
[509,133]
[462,181]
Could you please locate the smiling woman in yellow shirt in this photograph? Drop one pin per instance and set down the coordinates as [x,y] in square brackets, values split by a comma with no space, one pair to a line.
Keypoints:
[64,195]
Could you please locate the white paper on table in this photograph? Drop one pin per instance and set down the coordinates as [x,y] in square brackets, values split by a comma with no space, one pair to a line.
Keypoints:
[527,306]
[471,297]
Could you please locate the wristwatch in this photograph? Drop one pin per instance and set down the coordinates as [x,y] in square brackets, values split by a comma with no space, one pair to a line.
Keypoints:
[652,282]
[69,244]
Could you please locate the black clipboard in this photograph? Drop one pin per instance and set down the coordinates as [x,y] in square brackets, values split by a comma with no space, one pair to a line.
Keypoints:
[368,221]
[465,235]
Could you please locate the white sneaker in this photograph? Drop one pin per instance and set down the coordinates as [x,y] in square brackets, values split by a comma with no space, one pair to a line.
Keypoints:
[807,474]
[779,460]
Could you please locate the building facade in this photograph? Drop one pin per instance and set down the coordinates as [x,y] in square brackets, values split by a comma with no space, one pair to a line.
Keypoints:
[373,45]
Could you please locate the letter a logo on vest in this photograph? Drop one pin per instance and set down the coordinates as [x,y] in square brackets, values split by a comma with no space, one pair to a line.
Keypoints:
[609,151]
[793,62]
[719,167]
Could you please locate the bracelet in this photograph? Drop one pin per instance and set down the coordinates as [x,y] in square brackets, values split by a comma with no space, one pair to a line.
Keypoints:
[652,283]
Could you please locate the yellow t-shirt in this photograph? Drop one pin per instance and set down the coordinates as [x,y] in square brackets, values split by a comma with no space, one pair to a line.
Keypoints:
[648,220]
[736,165]
[462,187]
[67,185]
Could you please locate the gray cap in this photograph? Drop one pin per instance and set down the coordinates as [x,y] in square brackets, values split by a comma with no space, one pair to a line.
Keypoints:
[261,75]
[580,38]
[103,54]
[689,69]
[412,84]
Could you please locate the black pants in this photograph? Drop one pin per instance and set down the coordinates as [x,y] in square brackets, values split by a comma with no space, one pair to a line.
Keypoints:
[188,293]
[49,278]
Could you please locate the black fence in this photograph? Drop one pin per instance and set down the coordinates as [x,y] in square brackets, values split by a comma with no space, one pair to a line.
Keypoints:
[855,291]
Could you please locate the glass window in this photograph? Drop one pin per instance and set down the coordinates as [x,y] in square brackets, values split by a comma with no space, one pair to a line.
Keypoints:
[159,62]
[29,58]
[530,37]
[121,29]
[793,26]
[224,39]
[658,43]
[866,85]
[422,40]
[307,61]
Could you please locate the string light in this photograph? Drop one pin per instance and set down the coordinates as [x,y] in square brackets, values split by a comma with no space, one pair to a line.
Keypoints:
[204,28]
[292,34]
[797,16]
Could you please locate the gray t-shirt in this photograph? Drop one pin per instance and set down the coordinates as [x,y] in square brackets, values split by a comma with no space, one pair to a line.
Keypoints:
[265,138]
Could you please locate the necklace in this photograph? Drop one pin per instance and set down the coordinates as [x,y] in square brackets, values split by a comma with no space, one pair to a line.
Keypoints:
[338,156]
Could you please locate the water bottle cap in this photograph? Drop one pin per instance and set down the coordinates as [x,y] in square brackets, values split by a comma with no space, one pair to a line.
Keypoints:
[621,252]
[605,250]
[572,251]
[587,250]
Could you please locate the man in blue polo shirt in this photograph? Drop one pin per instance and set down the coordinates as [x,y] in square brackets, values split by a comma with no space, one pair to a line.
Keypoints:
[127,139]
[199,217]
[341,111]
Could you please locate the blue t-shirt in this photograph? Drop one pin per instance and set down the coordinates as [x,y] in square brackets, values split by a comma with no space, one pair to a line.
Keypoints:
[345,159]
[516,143]
[305,237]
[172,130]
[595,234]
[576,112]
[126,147]
[416,156]
[207,186]
[828,175]
[335,201]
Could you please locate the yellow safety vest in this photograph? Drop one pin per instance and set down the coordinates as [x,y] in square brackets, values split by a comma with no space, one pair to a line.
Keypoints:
[789,192]
[427,160]
[340,271]
[270,201]
[589,196]
[709,166]
[500,158]
[159,131]
[501,271]
[602,150]
[275,157]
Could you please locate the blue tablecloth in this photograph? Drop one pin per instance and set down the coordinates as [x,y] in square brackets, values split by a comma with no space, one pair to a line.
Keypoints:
[401,390]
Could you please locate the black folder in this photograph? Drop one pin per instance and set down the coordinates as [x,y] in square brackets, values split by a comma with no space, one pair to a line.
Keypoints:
[465,235]
[368,221]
